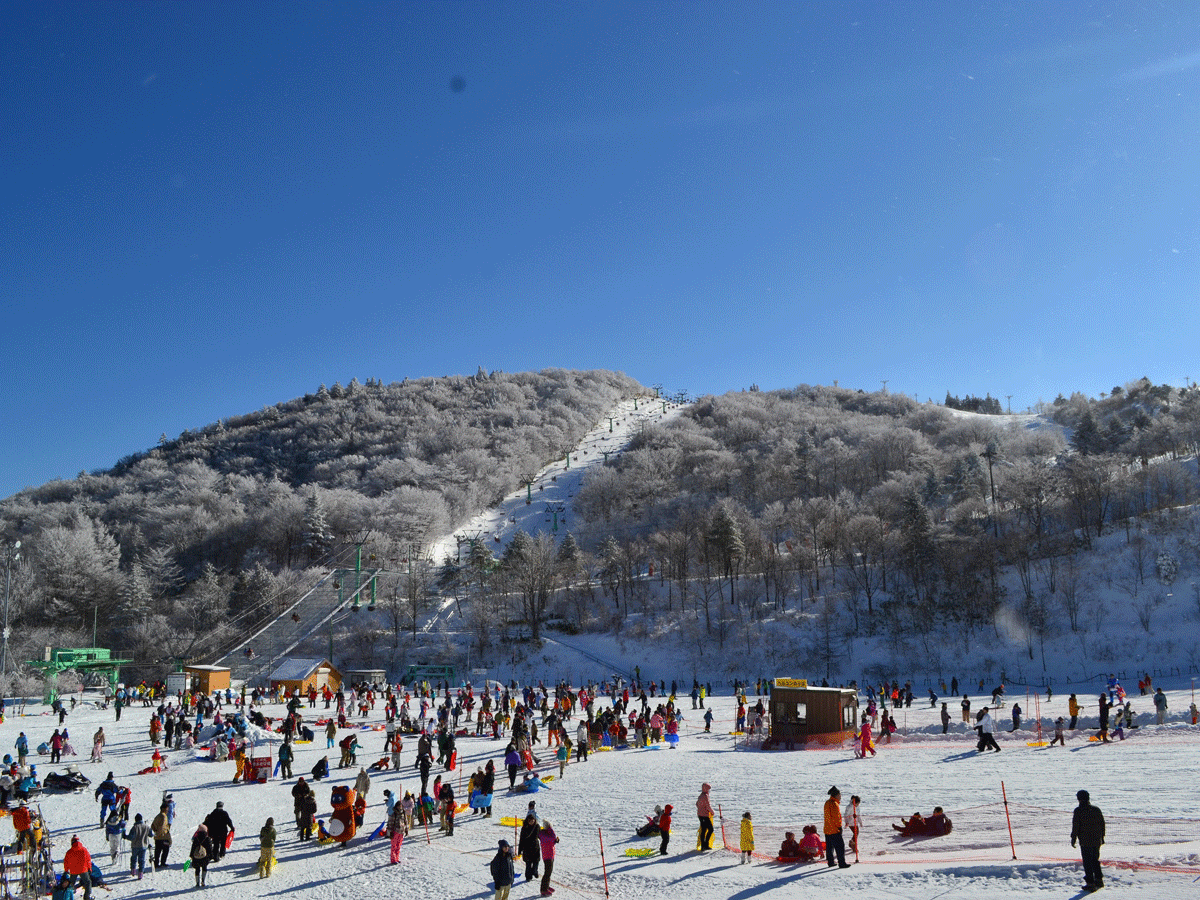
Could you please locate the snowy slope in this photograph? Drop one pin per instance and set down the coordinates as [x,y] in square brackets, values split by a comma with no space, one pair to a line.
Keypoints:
[1145,786]
[547,501]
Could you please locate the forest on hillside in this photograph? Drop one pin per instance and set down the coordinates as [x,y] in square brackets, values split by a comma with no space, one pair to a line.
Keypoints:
[838,513]
[874,515]
[174,547]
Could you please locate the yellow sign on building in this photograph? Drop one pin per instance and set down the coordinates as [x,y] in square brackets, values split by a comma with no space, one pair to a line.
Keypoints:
[791,682]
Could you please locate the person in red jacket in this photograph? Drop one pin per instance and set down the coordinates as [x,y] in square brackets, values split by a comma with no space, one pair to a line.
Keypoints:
[22,820]
[664,826]
[77,863]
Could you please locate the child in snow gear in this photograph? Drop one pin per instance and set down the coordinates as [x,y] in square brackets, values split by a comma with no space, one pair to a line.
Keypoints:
[502,870]
[266,853]
[746,843]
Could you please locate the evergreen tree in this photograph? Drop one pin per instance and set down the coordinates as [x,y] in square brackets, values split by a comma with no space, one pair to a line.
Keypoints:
[1087,438]
[315,536]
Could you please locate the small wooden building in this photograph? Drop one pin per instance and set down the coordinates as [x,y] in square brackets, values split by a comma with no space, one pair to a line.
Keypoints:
[304,674]
[206,679]
[801,714]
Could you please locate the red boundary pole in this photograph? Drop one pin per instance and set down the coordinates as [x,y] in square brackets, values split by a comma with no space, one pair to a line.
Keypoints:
[1011,842]
[603,864]
[721,816]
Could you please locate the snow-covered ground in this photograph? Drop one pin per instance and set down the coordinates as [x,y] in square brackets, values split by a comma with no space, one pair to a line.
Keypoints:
[1145,786]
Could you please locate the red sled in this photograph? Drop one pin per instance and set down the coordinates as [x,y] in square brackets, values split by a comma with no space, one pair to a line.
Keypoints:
[229,839]
[453,761]
[528,757]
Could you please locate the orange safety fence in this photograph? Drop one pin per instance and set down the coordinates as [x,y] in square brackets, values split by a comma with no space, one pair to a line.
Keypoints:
[980,833]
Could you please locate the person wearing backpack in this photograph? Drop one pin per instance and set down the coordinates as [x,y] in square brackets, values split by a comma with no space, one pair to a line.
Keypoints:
[201,854]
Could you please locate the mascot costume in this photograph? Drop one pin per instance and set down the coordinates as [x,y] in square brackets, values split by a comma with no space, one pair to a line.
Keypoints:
[341,826]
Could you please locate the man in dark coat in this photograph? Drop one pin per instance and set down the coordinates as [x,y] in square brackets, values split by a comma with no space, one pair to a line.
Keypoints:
[219,825]
[1087,827]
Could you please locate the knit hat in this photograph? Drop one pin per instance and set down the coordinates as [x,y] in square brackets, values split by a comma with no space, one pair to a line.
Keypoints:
[1083,796]
[705,787]
[504,845]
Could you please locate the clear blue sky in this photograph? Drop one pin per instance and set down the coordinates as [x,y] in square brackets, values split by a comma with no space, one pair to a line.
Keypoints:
[211,207]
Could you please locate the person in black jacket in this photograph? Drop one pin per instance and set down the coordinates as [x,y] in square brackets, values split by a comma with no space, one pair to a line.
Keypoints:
[529,847]
[308,815]
[1087,827]
[201,854]
[502,870]
[321,769]
[488,785]
[219,826]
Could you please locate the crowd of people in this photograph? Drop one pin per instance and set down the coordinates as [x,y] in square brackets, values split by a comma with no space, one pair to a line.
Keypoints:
[539,723]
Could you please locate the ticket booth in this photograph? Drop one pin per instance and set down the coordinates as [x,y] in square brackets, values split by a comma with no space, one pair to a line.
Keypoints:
[803,715]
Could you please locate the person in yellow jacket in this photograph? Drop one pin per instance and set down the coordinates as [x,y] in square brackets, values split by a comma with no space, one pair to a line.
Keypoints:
[834,845]
[239,757]
[1073,708]
[747,842]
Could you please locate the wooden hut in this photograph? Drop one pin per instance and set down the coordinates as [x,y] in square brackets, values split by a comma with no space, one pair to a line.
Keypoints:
[301,675]
[206,679]
[802,715]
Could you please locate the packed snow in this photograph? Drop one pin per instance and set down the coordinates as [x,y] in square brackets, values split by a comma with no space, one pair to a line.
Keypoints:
[1145,785]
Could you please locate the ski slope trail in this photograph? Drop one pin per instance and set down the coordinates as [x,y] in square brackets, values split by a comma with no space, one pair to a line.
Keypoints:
[547,503]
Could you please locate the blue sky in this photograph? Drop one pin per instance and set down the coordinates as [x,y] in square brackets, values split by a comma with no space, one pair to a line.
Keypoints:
[214,207]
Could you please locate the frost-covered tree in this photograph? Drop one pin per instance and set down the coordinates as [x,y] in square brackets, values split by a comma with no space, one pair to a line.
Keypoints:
[315,536]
